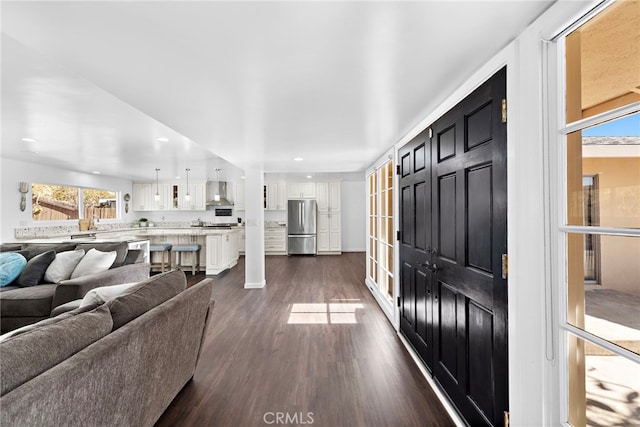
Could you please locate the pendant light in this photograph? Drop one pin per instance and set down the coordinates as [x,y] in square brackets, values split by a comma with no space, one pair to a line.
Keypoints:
[187,196]
[216,197]
[157,196]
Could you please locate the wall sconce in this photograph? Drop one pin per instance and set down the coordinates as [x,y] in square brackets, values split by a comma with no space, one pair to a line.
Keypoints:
[187,196]
[24,189]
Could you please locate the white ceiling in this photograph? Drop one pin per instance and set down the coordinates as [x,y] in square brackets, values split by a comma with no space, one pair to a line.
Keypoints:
[253,83]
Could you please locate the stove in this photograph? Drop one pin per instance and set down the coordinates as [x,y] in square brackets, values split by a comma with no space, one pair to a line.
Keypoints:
[226,225]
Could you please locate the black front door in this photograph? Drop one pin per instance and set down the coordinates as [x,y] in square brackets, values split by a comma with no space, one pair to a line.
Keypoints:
[464,294]
[416,309]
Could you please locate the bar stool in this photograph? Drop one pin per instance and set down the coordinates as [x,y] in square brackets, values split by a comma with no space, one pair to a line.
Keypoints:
[195,254]
[162,248]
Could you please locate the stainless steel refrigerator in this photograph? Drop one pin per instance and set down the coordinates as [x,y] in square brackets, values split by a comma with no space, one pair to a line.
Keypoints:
[301,222]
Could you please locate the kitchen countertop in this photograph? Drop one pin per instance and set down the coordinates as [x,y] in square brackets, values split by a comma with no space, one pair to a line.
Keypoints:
[119,232]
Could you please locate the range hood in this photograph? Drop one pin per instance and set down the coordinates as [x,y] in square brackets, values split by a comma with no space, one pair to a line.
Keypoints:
[219,191]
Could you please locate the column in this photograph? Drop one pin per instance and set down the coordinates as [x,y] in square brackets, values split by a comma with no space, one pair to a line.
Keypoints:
[254,228]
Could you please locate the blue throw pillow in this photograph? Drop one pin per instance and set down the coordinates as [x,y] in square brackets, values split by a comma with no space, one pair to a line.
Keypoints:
[11,265]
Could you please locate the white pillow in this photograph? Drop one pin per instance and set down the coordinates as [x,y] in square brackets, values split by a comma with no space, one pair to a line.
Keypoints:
[94,262]
[63,265]
[103,294]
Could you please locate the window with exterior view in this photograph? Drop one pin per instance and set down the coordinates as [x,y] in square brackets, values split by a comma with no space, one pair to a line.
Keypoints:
[61,203]
[54,202]
[601,231]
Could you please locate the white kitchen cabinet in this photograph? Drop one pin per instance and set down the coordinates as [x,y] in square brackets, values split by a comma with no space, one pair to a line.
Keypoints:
[241,241]
[276,196]
[238,202]
[275,241]
[142,197]
[222,252]
[171,196]
[329,230]
[328,196]
[198,196]
[301,190]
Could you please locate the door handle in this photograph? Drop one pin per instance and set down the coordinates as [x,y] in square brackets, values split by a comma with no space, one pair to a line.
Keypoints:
[431,267]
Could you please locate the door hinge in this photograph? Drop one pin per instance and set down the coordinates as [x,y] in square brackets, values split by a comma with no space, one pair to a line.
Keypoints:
[398,299]
[504,111]
[430,133]
[397,169]
[398,235]
[505,266]
[506,418]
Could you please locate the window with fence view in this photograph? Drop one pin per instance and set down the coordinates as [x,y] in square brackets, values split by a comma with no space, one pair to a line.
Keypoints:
[60,203]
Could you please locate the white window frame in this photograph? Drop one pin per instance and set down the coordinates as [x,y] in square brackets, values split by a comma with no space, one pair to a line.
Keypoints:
[388,307]
[555,144]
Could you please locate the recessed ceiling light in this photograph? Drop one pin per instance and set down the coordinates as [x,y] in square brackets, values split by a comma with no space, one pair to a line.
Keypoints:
[309,176]
[177,177]
[298,159]
[162,139]
[96,172]
[28,140]
[242,177]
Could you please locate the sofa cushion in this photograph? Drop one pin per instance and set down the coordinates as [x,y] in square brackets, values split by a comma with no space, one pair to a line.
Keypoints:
[6,247]
[146,295]
[72,311]
[63,265]
[32,352]
[121,249]
[11,265]
[93,262]
[38,248]
[33,272]
[34,301]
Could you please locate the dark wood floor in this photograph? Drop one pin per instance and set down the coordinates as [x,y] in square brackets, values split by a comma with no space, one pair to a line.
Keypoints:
[256,363]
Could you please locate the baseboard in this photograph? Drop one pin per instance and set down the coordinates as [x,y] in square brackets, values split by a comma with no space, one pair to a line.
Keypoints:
[354,250]
[255,285]
[453,413]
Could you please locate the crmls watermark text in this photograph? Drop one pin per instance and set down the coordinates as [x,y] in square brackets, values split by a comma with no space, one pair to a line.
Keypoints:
[287,418]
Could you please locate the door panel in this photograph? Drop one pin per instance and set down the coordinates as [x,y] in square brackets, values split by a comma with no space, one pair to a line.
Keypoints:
[453,232]
[421,217]
[416,320]
[479,217]
[446,227]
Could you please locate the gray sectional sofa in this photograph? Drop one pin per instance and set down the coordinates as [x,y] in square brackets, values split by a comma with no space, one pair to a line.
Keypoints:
[21,306]
[120,363]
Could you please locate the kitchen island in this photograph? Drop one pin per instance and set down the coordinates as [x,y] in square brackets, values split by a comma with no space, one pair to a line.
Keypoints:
[219,246]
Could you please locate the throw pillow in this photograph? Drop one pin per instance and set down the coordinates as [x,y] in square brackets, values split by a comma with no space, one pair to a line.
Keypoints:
[94,261]
[103,294]
[11,265]
[63,265]
[121,249]
[33,272]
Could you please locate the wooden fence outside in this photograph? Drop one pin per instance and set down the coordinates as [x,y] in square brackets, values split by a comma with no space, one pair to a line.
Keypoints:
[46,210]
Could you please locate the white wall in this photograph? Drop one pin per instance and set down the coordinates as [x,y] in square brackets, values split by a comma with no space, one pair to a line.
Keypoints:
[14,171]
[353,205]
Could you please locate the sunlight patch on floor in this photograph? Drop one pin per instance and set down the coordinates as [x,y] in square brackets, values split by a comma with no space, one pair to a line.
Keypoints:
[322,313]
